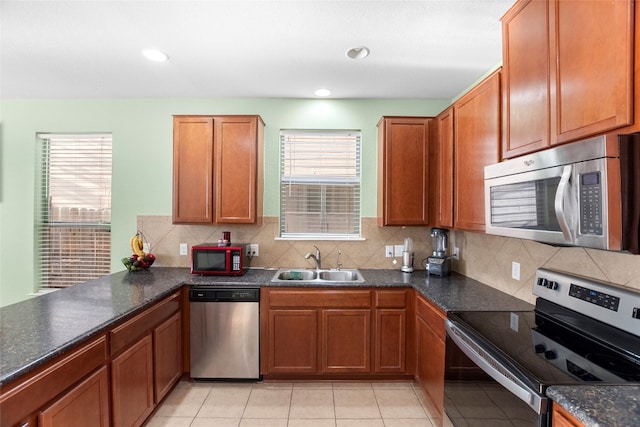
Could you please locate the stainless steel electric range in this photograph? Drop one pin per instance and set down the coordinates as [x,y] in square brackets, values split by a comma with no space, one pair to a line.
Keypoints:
[499,364]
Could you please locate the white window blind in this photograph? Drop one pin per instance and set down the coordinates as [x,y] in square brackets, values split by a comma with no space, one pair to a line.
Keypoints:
[73,210]
[320,184]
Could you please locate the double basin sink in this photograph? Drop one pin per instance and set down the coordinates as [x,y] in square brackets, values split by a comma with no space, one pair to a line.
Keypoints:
[317,276]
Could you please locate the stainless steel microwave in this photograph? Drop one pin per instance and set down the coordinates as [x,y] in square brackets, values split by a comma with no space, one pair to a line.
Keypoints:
[586,193]
[212,260]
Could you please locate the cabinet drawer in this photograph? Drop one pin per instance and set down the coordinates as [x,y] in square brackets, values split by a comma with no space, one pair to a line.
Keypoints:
[391,299]
[20,401]
[320,298]
[130,331]
[432,316]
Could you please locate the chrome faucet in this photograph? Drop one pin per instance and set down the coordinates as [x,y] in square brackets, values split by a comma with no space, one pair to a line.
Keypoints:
[338,265]
[315,257]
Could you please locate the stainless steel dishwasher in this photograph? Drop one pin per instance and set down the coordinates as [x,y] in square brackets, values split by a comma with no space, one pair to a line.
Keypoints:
[225,333]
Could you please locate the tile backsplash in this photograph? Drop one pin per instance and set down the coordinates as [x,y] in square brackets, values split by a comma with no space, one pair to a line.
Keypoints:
[485,258]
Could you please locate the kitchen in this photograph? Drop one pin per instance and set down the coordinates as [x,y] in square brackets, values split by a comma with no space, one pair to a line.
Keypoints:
[144,127]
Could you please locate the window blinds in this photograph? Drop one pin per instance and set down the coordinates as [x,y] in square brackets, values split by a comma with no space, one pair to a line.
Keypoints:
[73,210]
[320,184]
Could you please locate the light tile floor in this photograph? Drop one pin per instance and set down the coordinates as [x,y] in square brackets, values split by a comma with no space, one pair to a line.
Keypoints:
[316,404]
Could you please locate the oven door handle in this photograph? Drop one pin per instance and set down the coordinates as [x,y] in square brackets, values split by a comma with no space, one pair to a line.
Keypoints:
[495,369]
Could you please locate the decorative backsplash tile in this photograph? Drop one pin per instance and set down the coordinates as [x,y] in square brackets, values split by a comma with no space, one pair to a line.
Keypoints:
[485,258]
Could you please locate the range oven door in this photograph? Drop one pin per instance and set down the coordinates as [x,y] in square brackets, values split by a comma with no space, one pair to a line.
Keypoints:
[482,388]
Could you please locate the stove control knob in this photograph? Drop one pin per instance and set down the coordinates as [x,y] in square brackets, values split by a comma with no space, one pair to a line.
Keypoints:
[636,313]
[540,348]
[550,355]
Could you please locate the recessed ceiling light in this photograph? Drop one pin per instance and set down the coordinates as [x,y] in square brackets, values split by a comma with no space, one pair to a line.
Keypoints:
[323,92]
[360,52]
[155,55]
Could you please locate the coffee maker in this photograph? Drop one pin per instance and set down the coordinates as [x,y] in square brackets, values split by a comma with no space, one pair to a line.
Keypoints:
[439,263]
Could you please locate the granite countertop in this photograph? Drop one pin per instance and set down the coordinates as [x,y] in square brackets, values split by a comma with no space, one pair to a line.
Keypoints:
[37,330]
[599,405]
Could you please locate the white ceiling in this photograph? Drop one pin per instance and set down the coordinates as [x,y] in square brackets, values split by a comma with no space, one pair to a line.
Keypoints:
[264,48]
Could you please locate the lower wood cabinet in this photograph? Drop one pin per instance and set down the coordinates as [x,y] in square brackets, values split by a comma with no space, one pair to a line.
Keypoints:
[333,332]
[132,384]
[346,341]
[561,418]
[87,404]
[167,355]
[430,347]
[147,361]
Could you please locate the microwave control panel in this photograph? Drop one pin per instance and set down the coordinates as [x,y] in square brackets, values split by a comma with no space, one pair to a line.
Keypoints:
[591,204]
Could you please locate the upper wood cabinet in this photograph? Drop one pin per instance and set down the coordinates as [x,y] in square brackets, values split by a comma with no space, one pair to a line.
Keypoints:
[525,78]
[568,71]
[442,169]
[476,145]
[217,169]
[403,171]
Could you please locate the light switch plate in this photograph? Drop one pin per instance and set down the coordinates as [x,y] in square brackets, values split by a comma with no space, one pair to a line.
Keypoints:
[183,249]
[397,250]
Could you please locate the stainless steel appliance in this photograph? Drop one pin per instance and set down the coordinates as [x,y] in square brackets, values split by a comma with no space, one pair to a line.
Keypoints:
[225,333]
[211,259]
[499,364]
[439,263]
[585,193]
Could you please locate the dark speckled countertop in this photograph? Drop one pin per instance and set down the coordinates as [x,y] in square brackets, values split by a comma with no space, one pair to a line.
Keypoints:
[35,331]
[600,406]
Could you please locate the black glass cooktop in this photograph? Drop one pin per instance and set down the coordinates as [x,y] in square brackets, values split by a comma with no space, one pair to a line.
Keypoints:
[554,345]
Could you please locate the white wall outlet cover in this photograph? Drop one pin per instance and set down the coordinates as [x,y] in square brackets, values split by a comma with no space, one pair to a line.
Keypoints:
[388,251]
[515,270]
[183,249]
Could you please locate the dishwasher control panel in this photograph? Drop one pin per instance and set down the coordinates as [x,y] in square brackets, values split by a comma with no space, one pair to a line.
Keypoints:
[224,294]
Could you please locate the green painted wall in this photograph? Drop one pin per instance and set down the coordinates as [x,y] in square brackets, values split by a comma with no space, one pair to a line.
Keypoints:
[142,158]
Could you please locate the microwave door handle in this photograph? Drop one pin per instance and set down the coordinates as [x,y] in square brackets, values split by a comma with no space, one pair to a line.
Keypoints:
[559,203]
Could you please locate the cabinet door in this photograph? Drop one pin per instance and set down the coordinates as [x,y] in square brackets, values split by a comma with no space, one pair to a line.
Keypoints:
[192,169]
[346,341]
[525,78]
[292,338]
[444,165]
[390,340]
[132,384]
[403,171]
[430,363]
[86,405]
[430,349]
[477,142]
[167,355]
[592,67]
[235,170]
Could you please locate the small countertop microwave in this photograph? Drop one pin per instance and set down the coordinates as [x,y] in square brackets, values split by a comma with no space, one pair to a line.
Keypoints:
[586,193]
[213,260]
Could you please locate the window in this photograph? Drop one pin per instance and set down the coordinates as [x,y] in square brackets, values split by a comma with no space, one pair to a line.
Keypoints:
[73,209]
[320,184]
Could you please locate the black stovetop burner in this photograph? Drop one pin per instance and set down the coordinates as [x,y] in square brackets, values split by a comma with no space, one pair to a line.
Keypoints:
[555,345]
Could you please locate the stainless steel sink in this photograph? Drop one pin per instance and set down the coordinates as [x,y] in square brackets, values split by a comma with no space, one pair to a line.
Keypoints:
[317,276]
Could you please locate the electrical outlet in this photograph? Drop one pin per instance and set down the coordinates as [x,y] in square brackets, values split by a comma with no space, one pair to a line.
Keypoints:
[397,250]
[183,249]
[388,251]
[253,250]
[456,253]
[146,247]
[515,270]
